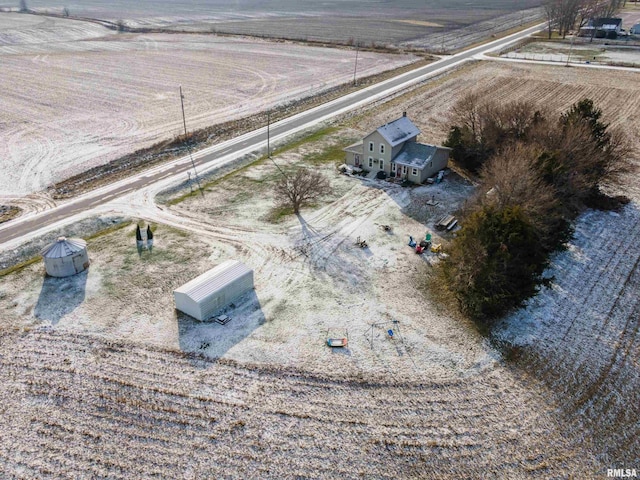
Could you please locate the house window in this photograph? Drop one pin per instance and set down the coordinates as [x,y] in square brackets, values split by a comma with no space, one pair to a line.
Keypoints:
[370,162]
[414,171]
[381,164]
[404,169]
[382,148]
[371,146]
[393,167]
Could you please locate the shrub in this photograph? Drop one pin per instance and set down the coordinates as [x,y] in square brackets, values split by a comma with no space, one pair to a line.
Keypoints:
[495,263]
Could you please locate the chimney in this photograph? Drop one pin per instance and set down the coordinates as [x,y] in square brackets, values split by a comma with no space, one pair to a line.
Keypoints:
[404,114]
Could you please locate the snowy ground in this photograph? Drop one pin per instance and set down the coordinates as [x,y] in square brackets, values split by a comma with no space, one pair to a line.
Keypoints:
[332,20]
[129,380]
[309,277]
[72,101]
[82,355]
[581,335]
[616,53]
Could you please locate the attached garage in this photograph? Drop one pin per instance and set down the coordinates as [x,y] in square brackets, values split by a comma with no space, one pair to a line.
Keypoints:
[205,295]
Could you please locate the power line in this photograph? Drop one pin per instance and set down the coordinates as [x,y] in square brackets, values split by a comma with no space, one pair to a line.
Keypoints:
[184,122]
[355,67]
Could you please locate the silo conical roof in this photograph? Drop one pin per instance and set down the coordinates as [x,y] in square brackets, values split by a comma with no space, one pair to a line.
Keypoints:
[63,247]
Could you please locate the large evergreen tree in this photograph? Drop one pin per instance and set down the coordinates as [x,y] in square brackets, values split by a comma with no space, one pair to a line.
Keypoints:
[496,262]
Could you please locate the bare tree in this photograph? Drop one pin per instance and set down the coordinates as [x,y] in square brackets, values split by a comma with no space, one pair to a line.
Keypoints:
[466,113]
[612,7]
[23,6]
[551,14]
[562,14]
[301,188]
[481,128]
[511,178]
[588,10]
[65,12]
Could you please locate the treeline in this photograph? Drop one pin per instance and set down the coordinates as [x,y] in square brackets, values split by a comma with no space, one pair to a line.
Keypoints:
[536,171]
[565,15]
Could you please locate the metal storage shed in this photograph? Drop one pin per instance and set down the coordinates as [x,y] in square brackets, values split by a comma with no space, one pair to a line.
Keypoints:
[203,296]
[65,257]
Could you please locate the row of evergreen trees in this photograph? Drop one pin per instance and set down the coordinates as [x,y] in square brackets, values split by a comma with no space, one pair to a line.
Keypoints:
[536,174]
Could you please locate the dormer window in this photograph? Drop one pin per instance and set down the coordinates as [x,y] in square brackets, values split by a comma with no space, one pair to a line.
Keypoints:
[371,146]
[382,148]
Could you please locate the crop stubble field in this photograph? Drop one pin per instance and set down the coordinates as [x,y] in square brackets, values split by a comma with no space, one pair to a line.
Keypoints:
[74,104]
[434,24]
[568,405]
[101,374]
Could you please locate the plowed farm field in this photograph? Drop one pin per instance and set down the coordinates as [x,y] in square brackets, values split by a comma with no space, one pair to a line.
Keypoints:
[101,377]
[78,101]
[554,87]
[79,406]
[580,336]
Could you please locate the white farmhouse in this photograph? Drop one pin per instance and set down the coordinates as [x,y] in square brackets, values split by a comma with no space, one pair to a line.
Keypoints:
[394,150]
[203,296]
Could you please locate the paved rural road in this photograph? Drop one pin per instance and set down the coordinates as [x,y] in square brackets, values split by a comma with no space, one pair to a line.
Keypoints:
[225,152]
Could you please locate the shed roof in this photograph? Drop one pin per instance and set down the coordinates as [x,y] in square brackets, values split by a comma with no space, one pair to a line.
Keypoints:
[63,247]
[210,282]
[605,22]
[398,131]
[416,155]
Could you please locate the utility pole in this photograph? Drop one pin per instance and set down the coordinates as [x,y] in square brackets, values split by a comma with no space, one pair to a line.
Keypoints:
[570,49]
[269,146]
[184,122]
[355,68]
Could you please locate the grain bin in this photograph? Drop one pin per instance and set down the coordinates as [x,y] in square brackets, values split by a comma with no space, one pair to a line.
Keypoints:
[65,257]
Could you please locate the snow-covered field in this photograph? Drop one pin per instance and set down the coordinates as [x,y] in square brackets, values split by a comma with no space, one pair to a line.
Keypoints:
[309,275]
[77,101]
[581,335]
[104,375]
[361,19]
[75,405]
[615,53]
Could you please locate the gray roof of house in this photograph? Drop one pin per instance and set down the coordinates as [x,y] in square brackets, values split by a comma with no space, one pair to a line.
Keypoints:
[416,155]
[601,22]
[355,148]
[63,247]
[398,131]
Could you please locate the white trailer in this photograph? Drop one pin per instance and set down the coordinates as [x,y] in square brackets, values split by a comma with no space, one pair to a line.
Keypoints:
[207,294]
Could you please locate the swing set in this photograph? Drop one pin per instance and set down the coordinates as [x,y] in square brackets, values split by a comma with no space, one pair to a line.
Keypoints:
[393,330]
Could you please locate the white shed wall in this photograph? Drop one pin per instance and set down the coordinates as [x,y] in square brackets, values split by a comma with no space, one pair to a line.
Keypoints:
[205,307]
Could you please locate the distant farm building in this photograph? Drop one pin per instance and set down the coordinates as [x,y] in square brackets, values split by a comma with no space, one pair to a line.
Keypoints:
[602,28]
[65,257]
[203,296]
[393,149]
